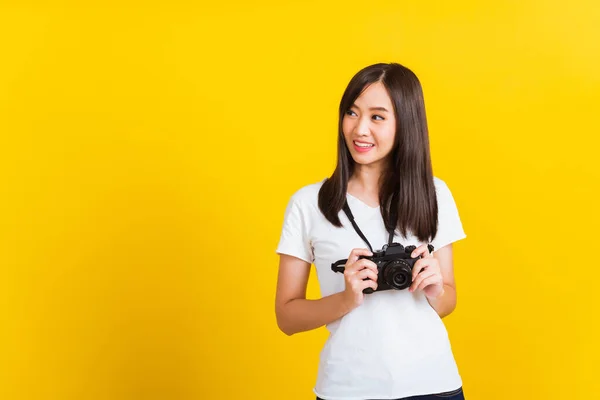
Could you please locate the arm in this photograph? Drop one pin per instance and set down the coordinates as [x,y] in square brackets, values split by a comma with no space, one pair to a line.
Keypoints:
[294,312]
[434,275]
[446,302]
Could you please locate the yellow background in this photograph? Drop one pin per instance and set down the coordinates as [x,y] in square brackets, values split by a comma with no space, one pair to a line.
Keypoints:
[147,152]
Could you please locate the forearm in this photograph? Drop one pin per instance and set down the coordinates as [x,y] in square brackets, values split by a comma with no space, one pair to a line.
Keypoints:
[446,303]
[301,315]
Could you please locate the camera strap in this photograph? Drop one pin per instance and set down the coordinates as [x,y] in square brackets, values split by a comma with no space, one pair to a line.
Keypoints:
[357,229]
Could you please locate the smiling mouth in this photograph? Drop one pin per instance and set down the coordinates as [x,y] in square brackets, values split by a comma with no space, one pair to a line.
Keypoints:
[363,145]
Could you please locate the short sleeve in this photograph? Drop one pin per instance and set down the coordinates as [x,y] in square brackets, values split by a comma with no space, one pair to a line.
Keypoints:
[450,228]
[294,239]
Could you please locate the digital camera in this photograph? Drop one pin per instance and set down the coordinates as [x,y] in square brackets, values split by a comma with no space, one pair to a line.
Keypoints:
[394,266]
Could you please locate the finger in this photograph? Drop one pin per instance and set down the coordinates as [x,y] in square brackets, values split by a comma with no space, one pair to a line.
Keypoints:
[422,250]
[366,274]
[418,268]
[368,283]
[428,281]
[362,264]
[422,264]
[419,279]
[355,253]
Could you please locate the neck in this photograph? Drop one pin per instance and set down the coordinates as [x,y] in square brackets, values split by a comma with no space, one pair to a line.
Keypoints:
[365,179]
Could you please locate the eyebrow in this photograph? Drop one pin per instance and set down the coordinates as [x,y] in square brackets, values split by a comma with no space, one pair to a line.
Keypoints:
[372,108]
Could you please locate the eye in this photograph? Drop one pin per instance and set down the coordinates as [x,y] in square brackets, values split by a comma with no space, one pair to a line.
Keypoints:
[378,116]
[351,113]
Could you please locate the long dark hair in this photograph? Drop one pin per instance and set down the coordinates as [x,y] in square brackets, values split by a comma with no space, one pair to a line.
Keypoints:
[406,187]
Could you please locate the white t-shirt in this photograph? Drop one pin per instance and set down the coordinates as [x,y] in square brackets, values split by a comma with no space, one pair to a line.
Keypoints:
[394,344]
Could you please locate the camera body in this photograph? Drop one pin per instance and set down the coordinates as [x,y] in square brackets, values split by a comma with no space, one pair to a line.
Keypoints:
[394,266]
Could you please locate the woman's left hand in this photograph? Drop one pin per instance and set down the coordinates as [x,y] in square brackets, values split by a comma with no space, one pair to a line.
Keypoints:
[426,274]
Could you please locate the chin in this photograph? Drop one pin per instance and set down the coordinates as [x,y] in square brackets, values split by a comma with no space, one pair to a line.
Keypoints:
[369,161]
[364,161]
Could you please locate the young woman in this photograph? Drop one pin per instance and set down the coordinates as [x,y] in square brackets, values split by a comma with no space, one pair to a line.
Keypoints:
[383,344]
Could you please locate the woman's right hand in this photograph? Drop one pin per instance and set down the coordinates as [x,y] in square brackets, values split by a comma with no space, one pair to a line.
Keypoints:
[359,275]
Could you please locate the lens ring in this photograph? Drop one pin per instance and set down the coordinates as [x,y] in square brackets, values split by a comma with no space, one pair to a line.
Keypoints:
[398,274]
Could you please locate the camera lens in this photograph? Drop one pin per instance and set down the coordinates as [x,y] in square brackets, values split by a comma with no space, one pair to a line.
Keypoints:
[399,279]
[398,274]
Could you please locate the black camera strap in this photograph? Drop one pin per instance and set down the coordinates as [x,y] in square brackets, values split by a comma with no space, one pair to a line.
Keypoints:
[357,229]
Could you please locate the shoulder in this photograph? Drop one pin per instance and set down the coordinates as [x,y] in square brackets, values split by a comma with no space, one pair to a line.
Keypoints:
[445,198]
[440,184]
[441,189]
[446,202]
[450,228]
[303,205]
[307,195]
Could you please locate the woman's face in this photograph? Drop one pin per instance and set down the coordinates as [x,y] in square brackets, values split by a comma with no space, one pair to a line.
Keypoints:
[369,126]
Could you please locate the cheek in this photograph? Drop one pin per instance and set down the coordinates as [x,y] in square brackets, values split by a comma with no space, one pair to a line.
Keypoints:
[346,127]
[386,136]
[391,134]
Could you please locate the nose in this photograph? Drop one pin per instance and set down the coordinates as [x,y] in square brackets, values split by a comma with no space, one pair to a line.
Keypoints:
[362,127]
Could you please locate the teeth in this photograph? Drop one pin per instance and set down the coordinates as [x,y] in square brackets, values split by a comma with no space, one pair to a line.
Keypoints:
[363,144]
